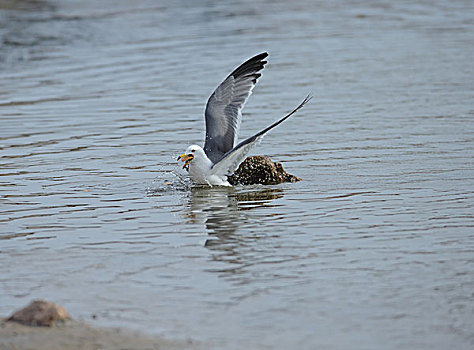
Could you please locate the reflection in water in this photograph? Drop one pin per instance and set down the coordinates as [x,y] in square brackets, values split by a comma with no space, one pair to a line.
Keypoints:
[222,210]
[214,207]
[228,218]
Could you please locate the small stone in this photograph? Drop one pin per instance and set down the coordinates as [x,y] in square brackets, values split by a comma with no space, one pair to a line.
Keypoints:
[40,313]
[260,170]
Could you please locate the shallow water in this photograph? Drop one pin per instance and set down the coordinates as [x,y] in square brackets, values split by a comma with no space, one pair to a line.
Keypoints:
[373,249]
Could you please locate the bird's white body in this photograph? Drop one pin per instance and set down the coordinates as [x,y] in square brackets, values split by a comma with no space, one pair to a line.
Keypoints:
[200,169]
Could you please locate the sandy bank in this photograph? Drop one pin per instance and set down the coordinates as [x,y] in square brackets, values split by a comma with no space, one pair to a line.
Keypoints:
[76,335]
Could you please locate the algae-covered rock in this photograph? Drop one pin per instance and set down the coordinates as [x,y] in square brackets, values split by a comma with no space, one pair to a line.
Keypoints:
[260,170]
[40,313]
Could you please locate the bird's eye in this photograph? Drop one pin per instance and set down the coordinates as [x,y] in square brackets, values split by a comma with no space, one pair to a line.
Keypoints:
[193,150]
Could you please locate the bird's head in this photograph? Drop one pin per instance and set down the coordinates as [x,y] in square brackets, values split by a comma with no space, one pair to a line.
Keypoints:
[192,152]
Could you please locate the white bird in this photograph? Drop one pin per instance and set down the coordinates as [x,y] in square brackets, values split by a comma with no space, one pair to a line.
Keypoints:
[220,157]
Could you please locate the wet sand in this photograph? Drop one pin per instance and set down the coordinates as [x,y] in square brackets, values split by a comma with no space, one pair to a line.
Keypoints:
[76,335]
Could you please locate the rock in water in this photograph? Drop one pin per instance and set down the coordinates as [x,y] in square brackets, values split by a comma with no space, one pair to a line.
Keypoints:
[260,170]
[40,313]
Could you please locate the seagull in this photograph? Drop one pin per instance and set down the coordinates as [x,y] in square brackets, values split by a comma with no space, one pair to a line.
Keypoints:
[220,156]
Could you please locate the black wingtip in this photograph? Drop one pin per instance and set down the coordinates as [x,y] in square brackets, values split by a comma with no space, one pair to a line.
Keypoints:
[251,67]
[305,101]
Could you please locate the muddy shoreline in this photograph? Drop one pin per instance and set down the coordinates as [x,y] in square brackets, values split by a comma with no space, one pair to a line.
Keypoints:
[77,335]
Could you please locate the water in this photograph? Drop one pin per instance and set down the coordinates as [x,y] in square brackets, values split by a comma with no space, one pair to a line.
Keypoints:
[373,249]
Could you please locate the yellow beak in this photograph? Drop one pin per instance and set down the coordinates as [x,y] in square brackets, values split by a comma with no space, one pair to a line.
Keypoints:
[186,158]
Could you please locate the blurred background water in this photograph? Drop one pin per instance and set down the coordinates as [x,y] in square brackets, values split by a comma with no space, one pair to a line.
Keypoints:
[373,249]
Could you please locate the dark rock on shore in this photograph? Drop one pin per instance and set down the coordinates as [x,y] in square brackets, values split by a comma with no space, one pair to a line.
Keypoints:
[40,313]
[260,170]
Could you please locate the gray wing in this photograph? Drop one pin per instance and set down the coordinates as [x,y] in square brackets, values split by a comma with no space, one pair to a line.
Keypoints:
[231,160]
[223,110]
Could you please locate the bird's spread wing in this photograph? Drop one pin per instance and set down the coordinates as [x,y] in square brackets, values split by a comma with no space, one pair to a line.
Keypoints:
[231,160]
[223,110]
